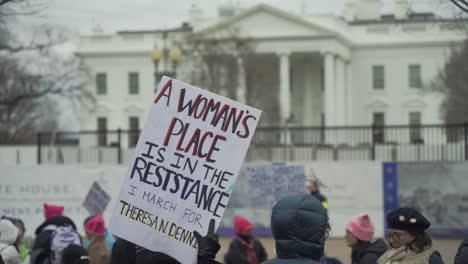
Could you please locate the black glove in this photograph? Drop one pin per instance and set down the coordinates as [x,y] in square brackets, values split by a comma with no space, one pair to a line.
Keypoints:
[208,245]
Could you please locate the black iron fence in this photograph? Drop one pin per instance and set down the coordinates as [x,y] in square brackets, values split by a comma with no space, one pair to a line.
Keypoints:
[387,143]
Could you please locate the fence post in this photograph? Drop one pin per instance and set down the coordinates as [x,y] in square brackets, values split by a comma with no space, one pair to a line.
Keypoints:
[374,130]
[466,140]
[119,150]
[39,143]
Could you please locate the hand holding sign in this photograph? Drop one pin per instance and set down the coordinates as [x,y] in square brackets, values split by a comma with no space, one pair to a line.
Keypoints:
[208,245]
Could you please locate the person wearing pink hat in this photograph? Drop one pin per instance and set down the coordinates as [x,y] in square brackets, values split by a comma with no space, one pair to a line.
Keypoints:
[359,236]
[51,210]
[244,249]
[98,250]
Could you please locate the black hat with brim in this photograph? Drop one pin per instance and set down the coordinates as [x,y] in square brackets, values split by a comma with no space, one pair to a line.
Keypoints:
[407,219]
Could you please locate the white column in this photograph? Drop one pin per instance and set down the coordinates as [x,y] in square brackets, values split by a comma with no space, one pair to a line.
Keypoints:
[241,93]
[329,61]
[349,100]
[284,90]
[341,94]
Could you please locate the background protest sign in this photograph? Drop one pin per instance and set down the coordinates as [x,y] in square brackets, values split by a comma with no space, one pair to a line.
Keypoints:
[96,200]
[268,183]
[183,170]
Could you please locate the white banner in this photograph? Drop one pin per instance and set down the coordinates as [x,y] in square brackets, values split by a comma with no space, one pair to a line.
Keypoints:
[269,183]
[352,188]
[24,190]
[183,170]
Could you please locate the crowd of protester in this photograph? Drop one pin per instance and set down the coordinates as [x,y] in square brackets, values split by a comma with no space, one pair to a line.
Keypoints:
[299,224]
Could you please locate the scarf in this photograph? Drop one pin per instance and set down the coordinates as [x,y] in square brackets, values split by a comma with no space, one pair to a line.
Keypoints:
[403,256]
[248,242]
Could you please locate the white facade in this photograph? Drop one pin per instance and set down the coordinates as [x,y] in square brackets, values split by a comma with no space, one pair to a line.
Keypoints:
[322,64]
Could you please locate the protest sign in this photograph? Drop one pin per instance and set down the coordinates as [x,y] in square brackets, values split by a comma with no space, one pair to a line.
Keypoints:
[96,200]
[268,183]
[183,170]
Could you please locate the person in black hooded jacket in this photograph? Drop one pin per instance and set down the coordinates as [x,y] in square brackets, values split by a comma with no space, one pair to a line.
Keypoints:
[299,223]
[462,254]
[359,236]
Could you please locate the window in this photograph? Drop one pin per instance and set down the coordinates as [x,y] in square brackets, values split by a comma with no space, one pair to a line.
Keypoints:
[378,77]
[378,127]
[415,127]
[133,83]
[414,76]
[101,83]
[102,131]
[134,131]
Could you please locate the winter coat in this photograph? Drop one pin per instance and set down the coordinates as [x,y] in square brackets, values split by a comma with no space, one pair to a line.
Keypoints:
[236,253]
[298,225]
[8,236]
[144,256]
[372,253]
[110,240]
[403,256]
[40,251]
[123,252]
[462,254]
[98,250]
[9,254]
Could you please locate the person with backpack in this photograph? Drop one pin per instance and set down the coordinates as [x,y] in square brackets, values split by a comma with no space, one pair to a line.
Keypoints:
[52,236]
[409,242]
[75,254]
[51,210]
[98,250]
[244,249]
[299,223]
[8,236]
[359,236]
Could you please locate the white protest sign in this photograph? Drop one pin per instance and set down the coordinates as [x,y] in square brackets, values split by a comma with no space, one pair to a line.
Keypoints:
[183,170]
[268,183]
[96,200]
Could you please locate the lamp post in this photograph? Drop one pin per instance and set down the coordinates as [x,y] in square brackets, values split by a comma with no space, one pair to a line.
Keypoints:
[173,54]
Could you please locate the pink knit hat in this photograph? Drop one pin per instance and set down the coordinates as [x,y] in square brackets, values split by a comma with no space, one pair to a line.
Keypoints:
[95,225]
[52,210]
[361,227]
[241,224]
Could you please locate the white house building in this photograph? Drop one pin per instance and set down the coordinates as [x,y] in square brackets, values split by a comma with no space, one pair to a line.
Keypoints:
[361,68]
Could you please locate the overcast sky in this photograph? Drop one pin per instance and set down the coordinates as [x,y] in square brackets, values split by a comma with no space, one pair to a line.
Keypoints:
[114,15]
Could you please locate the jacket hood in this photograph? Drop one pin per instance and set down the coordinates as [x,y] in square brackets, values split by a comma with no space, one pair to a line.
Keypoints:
[298,224]
[8,232]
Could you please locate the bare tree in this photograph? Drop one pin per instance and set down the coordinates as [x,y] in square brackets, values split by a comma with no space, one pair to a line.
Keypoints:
[461,4]
[213,64]
[34,75]
[452,81]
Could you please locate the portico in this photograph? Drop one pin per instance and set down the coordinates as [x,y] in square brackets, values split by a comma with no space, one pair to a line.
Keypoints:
[312,66]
